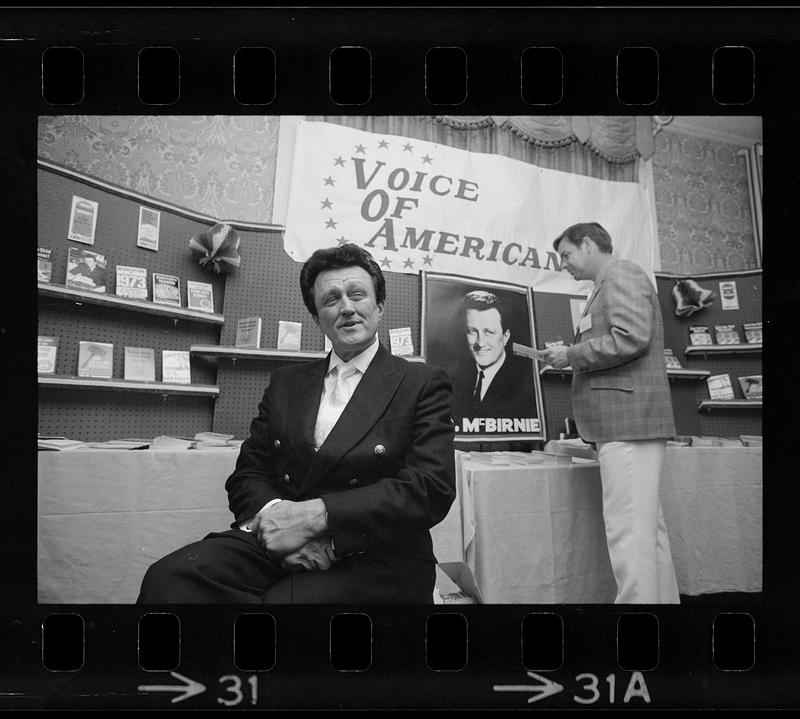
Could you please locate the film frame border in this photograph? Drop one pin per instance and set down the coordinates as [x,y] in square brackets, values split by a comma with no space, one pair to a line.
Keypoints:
[306,36]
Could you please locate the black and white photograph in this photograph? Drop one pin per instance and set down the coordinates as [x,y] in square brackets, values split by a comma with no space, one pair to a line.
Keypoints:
[470,328]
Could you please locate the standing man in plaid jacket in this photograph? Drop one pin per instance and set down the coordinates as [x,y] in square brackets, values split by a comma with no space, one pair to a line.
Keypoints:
[622,404]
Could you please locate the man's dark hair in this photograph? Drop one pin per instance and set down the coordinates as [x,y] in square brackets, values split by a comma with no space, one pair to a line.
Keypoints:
[335,258]
[482,300]
[576,233]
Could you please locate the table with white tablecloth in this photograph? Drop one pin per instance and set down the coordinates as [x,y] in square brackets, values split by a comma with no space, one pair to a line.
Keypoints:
[534,533]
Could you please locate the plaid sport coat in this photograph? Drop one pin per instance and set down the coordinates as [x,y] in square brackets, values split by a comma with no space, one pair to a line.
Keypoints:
[620,389]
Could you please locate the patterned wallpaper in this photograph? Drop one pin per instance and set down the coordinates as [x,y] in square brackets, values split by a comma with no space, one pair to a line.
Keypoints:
[224,167]
[702,205]
[221,166]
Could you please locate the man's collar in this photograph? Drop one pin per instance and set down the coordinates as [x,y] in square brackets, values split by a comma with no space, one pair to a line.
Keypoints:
[360,362]
[492,370]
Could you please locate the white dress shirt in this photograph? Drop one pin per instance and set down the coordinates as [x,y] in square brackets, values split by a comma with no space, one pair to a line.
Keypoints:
[488,374]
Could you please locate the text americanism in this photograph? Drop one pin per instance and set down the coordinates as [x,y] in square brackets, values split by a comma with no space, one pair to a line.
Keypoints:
[391,236]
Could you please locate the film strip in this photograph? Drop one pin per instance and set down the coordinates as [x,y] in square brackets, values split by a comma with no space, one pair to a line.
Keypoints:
[732,654]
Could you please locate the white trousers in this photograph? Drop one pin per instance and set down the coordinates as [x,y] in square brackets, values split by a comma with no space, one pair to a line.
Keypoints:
[638,544]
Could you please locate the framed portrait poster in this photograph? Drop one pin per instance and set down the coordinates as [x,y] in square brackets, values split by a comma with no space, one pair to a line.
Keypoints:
[470,327]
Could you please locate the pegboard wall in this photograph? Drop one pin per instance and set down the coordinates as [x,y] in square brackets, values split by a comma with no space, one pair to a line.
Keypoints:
[91,415]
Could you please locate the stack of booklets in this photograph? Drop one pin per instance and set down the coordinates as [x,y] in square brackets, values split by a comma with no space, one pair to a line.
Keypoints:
[214,440]
[59,443]
[168,442]
[121,444]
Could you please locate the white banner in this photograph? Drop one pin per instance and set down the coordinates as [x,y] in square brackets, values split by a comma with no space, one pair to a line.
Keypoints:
[417,205]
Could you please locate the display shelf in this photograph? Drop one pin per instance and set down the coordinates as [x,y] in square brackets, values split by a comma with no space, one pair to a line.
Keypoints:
[708,404]
[705,350]
[688,373]
[125,385]
[249,353]
[61,292]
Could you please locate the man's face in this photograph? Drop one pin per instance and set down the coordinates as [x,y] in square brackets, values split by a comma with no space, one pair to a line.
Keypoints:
[485,336]
[347,310]
[89,260]
[575,258]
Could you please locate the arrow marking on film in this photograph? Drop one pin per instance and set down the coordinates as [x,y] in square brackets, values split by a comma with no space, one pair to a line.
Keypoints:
[188,689]
[540,691]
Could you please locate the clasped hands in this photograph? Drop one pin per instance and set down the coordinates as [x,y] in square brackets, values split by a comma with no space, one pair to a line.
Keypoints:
[295,534]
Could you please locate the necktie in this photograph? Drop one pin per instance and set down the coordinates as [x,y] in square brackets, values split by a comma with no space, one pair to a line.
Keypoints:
[476,396]
[333,404]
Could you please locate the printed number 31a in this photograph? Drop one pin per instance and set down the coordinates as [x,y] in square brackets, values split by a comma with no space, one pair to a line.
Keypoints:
[636,688]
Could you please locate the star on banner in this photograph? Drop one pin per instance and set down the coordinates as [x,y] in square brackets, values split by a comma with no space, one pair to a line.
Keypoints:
[326,204]
[361,149]
[341,240]
[330,223]
[408,147]
[386,262]
[427,160]
[383,143]
[329,181]
[409,263]
[339,161]
[427,260]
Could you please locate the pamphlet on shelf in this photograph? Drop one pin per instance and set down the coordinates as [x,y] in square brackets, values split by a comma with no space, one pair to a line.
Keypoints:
[200,296]
[166,289]
[82,220]
[95,359]
[699,335]
[752,386]
[140,364]
[248,332]
[131,282]
[672,361]
[729,295]
[400,341]
[175,367]
[149,224]
[727,335]
[47,351]
[752,332]
[86,270]
[44,264]
[167,442]
[59,443]
[720,387]
[289,335]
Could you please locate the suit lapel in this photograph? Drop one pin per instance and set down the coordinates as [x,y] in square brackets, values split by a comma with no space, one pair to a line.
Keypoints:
[373,394]
[305,405]
[589,302]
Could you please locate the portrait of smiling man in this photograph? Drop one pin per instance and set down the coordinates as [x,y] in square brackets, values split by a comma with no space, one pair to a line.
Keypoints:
[499,384]
[348,465]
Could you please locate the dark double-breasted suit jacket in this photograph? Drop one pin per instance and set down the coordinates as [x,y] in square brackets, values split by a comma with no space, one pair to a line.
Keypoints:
[385,472]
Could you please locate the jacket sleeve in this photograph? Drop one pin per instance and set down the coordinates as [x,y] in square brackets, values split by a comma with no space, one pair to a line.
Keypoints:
[627,319]
[254,481]
[417,496]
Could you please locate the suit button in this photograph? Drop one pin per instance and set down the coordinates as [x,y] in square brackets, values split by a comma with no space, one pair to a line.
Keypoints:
[379,450]
[353,482]
[286,478]
[277,444]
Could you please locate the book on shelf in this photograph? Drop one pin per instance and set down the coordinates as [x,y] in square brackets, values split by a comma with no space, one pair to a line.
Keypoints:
[95,359]
[131,282]
[671,359]
[727,335]
[289,334]
[175,367]
[82,220]
[752,332]
[140,364]
[166,289]
[720,386]
[44,264]
[86,270]
[400,341]
[46,359]
[699,335]
[200,296]
[248,332]
[752,386]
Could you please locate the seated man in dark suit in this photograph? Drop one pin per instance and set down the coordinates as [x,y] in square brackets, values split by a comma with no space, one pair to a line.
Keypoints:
[348,465]
[497,383]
